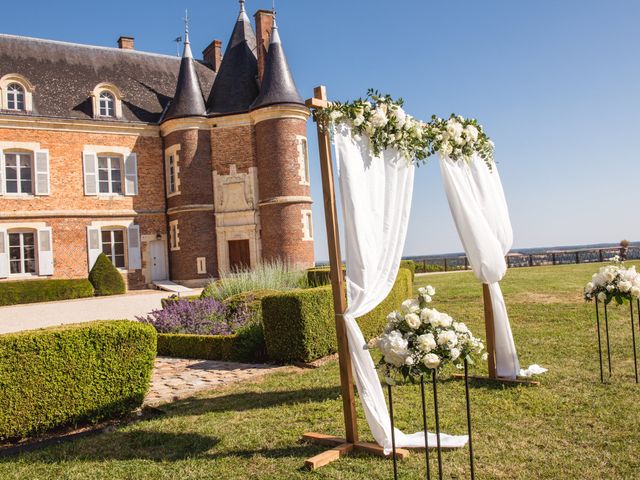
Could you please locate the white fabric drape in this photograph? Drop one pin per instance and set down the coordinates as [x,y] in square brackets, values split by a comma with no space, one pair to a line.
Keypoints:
[479,209]
[376,202]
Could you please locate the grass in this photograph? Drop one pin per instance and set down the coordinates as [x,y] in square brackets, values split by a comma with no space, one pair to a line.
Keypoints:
[571,427]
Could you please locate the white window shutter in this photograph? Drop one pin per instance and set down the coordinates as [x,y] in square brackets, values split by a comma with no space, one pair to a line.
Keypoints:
[90,163]
[131,174]
[94,245]
[1,172]
[45,251]
[42,172]
[4,254]
[134,253]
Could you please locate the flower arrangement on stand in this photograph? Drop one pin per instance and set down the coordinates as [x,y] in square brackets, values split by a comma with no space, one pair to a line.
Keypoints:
[387,125]
[419,341]
[614,282]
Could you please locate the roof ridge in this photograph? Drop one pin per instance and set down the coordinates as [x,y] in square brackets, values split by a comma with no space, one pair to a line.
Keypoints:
[84,45]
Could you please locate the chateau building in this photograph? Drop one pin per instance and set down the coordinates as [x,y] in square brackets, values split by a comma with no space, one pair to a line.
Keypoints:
[175,168]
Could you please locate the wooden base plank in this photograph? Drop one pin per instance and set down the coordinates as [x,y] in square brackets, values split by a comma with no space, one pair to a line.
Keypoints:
[323,439]
[328,456]
[375,449]
[518,381]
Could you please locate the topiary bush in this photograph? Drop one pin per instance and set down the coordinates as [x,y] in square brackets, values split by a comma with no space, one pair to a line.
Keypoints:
[411,265]
[72,375]
[31,291]
[105,277]
[319,276]
[299,325]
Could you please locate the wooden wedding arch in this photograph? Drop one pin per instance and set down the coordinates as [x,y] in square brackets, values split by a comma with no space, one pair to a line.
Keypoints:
[343,446]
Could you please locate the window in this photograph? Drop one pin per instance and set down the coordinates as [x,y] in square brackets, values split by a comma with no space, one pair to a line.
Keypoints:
[171,174]
[307,225]
[15,97]
[107,104]
[174,232]
[303,160]
[22,253]
[113,246]
[110,175]
[18,173]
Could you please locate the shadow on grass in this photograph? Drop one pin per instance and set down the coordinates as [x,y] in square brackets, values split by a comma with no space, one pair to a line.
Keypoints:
[239,402]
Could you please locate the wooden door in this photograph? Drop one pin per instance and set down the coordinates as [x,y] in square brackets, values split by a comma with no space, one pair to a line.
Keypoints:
[239,257]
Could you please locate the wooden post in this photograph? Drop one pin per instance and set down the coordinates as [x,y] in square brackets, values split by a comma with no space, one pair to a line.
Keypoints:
[337,279]
[341,446]
[490,331]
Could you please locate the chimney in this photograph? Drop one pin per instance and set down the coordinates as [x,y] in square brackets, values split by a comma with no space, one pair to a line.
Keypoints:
[264,24]
[213,54]
[125,43]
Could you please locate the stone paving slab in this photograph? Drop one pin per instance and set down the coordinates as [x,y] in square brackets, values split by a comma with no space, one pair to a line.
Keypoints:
[176,378]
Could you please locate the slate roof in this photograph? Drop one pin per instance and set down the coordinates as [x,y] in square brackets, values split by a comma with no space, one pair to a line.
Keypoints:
[188,100]
[236,85]
[277,86]
[65,74]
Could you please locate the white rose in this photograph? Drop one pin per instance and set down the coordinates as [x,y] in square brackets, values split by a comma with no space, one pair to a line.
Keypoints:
[588,287]
[426,342]
[430,290]
[624,286]
[359,120]
[431,360]
[610,288]
[412,320]
[635,291]
[460,327]
[410,306]
[409,360]
[602,296]
[448,337]
[454,128]
[400,116]
[445,320]
[455,353]
[379,118]
[394,348]
[471,132]
[426,298]
[445,149]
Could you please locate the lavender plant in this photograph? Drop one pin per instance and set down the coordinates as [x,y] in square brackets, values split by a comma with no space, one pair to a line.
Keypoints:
[205,316]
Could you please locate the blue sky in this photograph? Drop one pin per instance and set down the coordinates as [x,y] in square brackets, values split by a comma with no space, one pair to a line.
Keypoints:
[556,84]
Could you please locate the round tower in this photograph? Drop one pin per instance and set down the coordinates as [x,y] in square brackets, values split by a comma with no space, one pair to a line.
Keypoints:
[280,119]
[189,189]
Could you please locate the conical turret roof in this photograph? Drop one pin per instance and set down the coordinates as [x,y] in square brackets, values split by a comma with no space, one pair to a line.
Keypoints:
[236,85]
[277,86]
[188,100]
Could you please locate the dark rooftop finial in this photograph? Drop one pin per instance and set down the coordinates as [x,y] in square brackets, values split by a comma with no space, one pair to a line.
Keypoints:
[277,86]
[188,100]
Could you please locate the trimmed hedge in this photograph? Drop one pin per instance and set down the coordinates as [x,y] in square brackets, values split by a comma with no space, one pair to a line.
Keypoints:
[105,277]
[71,375]
[319,276]
[246,345]
[411,265]
[31,291]
[174,298]
[299,325]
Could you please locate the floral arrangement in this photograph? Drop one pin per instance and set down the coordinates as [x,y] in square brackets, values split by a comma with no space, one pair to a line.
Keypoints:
[204,316]
[613,282]
[418,340]
[385,122]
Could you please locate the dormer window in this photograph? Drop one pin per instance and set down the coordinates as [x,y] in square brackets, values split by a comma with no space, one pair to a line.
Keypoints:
[107,105]
[16,93]
[107,101]
[15,97]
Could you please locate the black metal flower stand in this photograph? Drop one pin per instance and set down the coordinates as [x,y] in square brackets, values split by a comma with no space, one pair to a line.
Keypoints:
[437,421]
[606,330]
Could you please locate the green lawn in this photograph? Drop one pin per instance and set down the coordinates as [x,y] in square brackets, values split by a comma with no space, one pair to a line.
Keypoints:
[571,427]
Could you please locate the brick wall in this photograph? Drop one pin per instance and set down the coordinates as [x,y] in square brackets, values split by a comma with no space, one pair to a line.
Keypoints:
[233,145]
[279,176]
